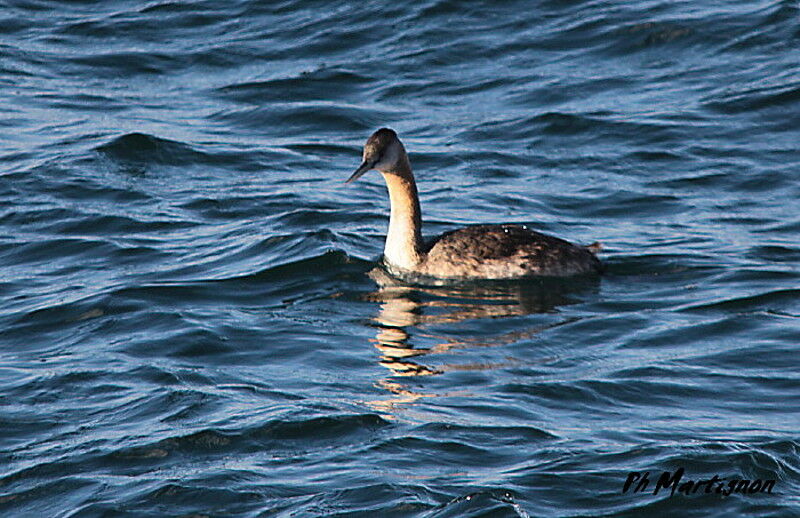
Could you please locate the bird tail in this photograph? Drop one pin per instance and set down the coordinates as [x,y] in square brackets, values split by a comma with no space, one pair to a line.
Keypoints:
[595,247]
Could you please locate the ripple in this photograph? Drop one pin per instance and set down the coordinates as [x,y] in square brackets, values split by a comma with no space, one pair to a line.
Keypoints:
[306,117]
[309,86]
[756,99]
[780,298]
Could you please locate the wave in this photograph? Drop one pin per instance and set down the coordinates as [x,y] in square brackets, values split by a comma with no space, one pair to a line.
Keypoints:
[144,148]
[137,152]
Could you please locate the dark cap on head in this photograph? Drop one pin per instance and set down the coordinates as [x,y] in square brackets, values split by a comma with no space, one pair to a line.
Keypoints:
[381,138]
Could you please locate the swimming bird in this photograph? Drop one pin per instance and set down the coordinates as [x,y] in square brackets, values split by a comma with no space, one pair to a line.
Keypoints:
[505,251]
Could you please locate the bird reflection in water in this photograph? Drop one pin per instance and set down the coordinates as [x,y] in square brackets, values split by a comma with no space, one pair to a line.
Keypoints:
[406,310]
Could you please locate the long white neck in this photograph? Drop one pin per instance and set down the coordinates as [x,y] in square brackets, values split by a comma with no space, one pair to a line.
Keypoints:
[404,240]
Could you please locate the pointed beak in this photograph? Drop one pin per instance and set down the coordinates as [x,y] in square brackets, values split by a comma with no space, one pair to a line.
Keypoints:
[363,168]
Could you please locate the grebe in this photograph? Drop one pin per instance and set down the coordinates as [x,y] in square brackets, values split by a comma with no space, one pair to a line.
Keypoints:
[474,252]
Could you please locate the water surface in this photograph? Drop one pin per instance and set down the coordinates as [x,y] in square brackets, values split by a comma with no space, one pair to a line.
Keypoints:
[191,320]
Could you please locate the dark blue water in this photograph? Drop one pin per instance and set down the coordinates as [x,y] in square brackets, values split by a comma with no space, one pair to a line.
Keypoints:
[190,321]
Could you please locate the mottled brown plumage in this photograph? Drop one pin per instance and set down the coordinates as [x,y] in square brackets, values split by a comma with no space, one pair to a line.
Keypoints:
[505,251]
[475,252]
